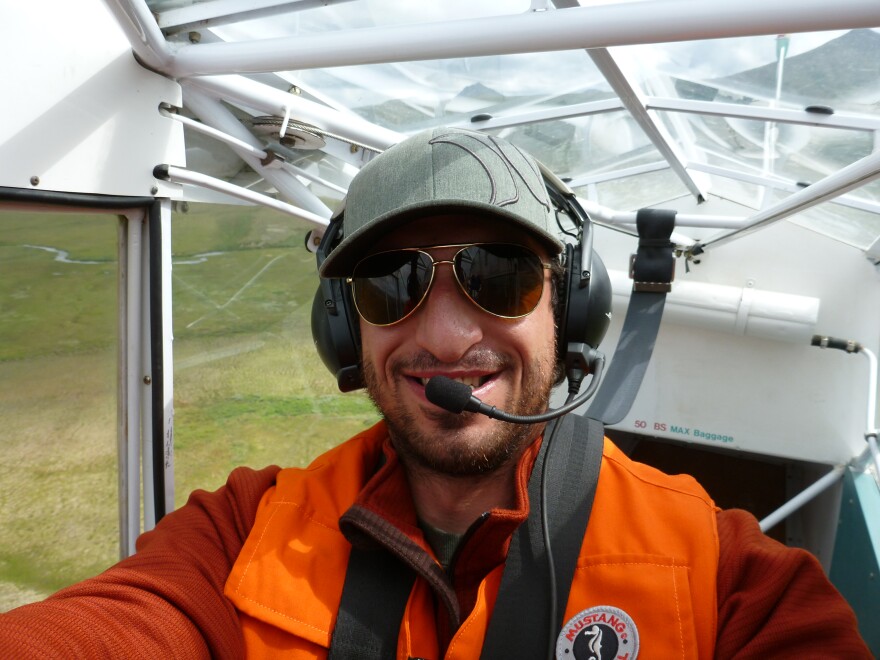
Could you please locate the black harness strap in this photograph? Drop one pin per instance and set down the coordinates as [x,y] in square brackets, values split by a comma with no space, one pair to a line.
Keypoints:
[377,587]
[652,269]
[519,626]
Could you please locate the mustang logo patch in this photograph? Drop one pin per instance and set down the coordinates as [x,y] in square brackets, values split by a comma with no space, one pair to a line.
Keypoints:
[598,633]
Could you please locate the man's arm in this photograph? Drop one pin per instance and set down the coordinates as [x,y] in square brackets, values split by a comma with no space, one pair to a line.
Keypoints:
[166,601]
[775,601]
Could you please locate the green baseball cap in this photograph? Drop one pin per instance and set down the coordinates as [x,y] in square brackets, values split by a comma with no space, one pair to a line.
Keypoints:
[440,171]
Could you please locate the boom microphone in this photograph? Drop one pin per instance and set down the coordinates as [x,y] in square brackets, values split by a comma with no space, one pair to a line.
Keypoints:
[451,395]
[456,397]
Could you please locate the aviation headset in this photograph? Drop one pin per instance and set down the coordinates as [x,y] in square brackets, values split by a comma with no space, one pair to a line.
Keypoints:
[583,314]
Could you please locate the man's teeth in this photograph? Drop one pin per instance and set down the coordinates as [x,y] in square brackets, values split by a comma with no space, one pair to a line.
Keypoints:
[470,381]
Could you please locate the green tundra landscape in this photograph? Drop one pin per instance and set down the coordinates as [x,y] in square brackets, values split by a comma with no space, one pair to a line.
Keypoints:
[248,386]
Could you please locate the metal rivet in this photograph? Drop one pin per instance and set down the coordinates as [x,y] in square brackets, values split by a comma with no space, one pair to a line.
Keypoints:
[353,148]
[35,180]
[147,380]
[154,190]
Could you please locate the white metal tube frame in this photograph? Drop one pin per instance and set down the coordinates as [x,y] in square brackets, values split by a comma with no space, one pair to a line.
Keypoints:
[139,429]
[871,429]
[276,102]
[544,32]
[131,379]
[838,471]
[241,145]
[236,143]
[215,114]
[180,175]
[595,26]
[848,178]
[799,500]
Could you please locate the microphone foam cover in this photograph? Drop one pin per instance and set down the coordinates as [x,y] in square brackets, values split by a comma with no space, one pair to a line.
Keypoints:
[449,394]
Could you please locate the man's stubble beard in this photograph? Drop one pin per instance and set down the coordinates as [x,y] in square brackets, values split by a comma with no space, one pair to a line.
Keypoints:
[449,450]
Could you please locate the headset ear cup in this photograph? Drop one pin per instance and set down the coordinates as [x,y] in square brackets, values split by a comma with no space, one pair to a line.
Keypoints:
[598,303]
[336,334]
[586,305]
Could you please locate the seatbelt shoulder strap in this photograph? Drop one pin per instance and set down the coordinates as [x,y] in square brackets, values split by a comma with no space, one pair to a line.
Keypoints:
[652,269]
[520,622]
[374,596]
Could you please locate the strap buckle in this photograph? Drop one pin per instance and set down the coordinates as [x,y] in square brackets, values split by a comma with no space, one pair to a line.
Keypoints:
[663,286]
[652,267]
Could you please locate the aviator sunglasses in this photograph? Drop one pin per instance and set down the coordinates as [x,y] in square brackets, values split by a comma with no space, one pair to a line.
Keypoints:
[504,280]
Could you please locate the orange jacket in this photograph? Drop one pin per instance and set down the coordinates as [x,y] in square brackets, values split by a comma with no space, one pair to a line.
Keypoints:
[645,577]
[167,601]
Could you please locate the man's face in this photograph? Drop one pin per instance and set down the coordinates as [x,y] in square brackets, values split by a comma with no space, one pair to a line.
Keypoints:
[510,362]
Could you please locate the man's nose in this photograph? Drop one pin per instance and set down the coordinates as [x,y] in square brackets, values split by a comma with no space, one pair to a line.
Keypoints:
[448,324]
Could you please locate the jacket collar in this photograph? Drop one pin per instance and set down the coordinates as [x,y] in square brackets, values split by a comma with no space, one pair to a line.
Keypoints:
[384,516]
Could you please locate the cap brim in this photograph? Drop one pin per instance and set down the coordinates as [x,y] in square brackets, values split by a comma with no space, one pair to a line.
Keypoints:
[355,247]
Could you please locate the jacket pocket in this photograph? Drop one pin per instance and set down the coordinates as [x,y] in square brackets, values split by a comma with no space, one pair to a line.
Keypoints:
[630,606]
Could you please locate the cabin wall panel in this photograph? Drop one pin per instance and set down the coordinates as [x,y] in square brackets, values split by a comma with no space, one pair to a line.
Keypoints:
[775,398]
[79,113]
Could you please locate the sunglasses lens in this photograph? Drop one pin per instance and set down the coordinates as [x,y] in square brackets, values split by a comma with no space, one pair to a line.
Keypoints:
[505,280]
[388,286]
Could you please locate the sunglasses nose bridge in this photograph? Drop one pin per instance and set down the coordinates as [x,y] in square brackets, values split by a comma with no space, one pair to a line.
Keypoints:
[434,264]
[455,274]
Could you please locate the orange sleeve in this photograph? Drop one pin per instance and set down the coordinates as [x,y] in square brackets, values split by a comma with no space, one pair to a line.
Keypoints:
[775,601]
[166,601]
